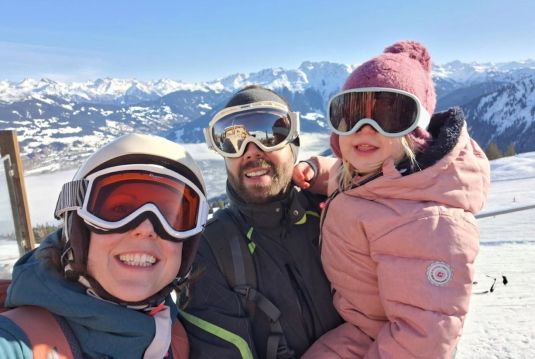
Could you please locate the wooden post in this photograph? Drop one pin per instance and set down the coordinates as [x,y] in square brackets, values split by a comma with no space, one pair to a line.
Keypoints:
[10,146]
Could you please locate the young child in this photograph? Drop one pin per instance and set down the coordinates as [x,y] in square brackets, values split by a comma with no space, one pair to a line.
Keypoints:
[132,218]
[399,237]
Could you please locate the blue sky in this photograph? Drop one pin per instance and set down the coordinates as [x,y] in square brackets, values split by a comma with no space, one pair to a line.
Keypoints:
[201,40]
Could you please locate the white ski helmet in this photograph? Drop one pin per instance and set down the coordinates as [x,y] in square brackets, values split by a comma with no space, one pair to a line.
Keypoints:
[138,145]
[126,150]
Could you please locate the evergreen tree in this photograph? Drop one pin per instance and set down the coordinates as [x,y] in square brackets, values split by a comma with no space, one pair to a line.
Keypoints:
[40,231]
[493,151]
[510,151]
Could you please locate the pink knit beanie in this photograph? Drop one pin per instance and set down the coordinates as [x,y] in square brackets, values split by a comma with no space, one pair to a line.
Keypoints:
[405,65]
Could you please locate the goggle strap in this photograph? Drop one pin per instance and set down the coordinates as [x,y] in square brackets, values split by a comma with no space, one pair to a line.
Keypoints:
[71,197]
[425,118]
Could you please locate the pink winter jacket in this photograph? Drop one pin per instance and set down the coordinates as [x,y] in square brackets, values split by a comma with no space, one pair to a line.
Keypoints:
[399,252]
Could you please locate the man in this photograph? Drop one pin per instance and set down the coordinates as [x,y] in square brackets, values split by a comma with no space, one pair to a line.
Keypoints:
[261,292]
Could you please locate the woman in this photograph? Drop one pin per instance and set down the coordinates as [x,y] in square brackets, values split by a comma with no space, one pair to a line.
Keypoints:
[132,217]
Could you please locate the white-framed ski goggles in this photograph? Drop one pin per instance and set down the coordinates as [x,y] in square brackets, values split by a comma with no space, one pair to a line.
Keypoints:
[390,112]
[269,125]
[118,198]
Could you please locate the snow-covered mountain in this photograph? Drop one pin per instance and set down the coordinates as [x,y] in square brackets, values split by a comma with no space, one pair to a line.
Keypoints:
[100,91]
[60,122]
[505,116]
[321,75]
[475,72]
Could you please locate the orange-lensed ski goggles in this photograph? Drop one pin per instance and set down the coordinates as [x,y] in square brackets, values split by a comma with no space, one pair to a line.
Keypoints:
[119,198]
[390,112]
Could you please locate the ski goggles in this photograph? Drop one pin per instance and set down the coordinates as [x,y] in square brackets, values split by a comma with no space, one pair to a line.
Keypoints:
[269,125]
[390,112]
[115,198]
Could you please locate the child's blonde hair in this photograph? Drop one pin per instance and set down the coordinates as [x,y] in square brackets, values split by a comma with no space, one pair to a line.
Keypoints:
[348,172]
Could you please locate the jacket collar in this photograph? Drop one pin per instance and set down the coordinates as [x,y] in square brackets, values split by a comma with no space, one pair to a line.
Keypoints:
[445,127]
[274,214]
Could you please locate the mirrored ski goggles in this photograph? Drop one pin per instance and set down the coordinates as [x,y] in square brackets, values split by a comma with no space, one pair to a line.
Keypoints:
[390,112]
[267,124]
[112,199]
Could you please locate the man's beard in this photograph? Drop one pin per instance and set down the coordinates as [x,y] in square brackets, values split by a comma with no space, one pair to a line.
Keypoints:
[262,193]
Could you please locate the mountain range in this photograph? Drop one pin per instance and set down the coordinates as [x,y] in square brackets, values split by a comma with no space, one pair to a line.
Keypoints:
[58,123]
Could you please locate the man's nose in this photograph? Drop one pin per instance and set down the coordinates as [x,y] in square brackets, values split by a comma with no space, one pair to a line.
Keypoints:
[252,151]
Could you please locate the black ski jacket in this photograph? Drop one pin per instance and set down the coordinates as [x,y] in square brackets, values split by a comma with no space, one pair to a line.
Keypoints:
[288,273]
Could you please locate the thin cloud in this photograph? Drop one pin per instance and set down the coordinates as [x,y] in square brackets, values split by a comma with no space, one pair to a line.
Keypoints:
[22,60]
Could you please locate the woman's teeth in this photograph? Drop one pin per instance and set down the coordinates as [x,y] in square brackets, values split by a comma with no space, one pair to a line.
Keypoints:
[137,260]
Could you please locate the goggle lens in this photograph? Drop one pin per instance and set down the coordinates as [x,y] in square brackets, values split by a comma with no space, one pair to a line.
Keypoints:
[117,195]
[268,126]
[393,112]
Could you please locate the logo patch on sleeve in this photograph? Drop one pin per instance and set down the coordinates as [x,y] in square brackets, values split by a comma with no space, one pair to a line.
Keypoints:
[439,273]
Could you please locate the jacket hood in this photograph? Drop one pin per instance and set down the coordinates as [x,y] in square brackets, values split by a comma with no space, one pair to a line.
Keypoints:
[453,170]
[102,328]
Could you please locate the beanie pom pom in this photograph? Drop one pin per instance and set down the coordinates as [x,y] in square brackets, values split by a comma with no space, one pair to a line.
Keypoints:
[414,50]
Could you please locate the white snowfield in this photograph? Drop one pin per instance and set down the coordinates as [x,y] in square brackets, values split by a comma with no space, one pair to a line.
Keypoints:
[501,323]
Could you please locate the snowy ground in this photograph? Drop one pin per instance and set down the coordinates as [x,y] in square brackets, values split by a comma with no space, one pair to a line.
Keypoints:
[500,325]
